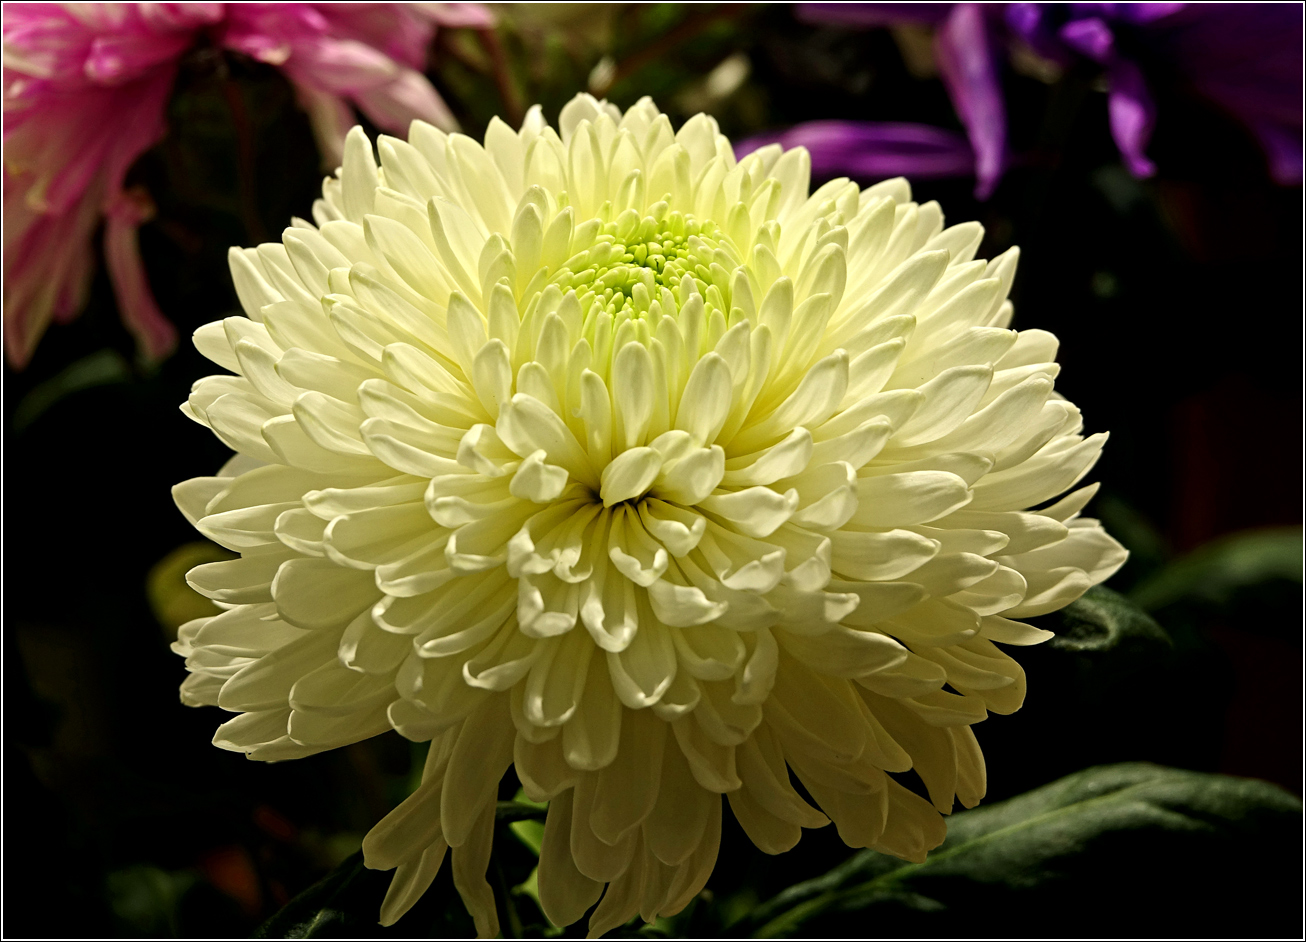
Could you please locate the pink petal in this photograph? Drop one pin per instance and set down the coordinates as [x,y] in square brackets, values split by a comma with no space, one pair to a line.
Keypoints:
[117,59]
[67,137]
[393,107]
[179,16]
[155,335]
[270,32]
[47,267]
[340,65]
[401,31]
[461,15]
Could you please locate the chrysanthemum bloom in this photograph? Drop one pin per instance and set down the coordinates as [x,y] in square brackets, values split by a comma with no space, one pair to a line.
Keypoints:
[601,454]
[85,89]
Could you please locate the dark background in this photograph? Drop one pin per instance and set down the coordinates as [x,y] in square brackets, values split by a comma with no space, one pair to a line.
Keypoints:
[1177,301]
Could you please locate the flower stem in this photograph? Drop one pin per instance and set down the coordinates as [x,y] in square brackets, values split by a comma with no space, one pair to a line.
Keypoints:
[503,79]
[246,163]
[685,30]
[504,897]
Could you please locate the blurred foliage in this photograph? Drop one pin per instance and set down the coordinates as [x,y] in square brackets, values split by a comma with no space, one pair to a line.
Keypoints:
[1226,571]
[1096,851]
[101,368]
[1177,303]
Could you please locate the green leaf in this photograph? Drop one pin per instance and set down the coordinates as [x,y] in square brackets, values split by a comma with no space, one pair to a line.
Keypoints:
[145,898]
[346,903]
[521,810]
[1147,547]
[98,369]
[1111,686]
[1103,620]
[1132,849]
[530,833]
[1214,572]
[328,908]
[526,819]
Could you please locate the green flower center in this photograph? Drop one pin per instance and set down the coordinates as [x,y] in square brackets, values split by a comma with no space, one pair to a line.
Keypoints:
[629,266]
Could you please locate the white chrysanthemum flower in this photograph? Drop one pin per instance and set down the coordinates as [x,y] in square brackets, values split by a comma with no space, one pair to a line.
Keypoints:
[601,453]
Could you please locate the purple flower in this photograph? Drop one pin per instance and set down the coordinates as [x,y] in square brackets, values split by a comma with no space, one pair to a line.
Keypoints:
[964,46]
[85,88]
[873,149]
[1247,60]
[1244,58]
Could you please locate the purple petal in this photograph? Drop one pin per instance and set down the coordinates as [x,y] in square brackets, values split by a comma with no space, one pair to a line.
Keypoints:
[1283,151]
[970,72]
[1090,37]
[1247,60]
[1034,25]
[1026,20]
[1132,115]
[873,150]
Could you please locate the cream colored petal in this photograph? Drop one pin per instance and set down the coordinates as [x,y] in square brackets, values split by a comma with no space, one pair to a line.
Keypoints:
[318,593]
[627,788]
[620,901]
[880,556]
[265,683]
[480,755]
[565,893]
[693,873]
[591,738]
[949,398]
[471,859]
[845,652]
[411,880]
[817,713]
[681,814]
[1033,481]
[912,828]
[595,859]
[754,511]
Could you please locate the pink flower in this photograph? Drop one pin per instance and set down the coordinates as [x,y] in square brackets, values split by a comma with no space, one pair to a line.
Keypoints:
[367,54]
[85,90]
[84,95]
